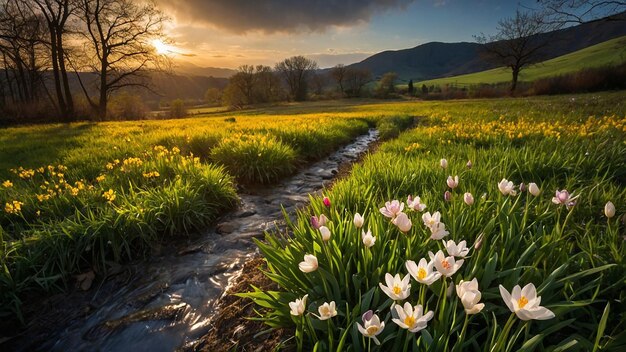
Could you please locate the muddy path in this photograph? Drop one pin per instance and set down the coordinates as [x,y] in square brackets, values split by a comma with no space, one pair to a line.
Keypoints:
[167,302]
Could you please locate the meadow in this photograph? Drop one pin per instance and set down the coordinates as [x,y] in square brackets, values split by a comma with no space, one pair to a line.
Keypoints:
[492,225]
[607,53]
[77,197]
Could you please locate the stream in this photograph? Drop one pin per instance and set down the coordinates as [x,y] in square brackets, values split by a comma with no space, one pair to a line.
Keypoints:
[166,302]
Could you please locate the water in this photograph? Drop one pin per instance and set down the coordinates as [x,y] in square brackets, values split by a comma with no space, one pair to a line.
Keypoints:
[167,302]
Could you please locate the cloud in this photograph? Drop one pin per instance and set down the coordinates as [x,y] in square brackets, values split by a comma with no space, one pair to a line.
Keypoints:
[271,16]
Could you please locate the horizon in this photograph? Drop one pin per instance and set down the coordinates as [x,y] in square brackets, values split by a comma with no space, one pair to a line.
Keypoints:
[230,34]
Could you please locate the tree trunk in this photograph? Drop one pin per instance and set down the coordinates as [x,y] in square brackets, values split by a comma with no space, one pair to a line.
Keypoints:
[514,81]
[55,71]
[102,103]
[63,71]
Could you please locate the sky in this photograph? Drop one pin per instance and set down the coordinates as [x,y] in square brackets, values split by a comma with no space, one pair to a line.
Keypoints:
[230,33]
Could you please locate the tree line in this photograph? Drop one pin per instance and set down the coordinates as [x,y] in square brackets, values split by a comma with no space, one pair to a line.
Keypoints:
[44,42]
[296,78]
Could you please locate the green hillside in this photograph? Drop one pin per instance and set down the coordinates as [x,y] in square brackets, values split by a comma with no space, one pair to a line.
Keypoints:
[610,52]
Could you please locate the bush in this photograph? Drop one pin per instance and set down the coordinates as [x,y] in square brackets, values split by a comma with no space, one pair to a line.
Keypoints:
[255,158]
[126,107]
[178,108]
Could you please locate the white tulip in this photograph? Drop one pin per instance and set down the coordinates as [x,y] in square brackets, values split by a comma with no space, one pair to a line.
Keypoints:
[524,302]
[358,220]
[411,318]
[422,272]
[609,209]
[397,288]
[309,264]
[533,189]
[456,250]
[325,233]
[372,326]
[298,307]
[368,239]
[468,198]
[506,187]
[326,310]
[453,182]
[447,266]
[403,222]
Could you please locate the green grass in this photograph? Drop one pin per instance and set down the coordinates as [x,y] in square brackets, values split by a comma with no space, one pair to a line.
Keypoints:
[76,196]
[611,52]
[575,257]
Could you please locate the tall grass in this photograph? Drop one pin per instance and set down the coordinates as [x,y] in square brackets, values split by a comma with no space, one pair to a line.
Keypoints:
[574,256]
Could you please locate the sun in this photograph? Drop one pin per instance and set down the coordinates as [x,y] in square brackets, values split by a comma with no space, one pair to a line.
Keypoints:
[163,48]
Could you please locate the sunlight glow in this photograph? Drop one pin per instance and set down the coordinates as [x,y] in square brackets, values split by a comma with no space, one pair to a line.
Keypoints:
[163,48]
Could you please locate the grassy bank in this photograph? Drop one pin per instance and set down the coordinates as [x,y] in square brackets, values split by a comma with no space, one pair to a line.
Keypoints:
[571,251]
[607,53]
[76,197]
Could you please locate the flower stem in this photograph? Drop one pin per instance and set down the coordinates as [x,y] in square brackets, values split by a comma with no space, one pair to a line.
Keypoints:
[504,336]
[462,336]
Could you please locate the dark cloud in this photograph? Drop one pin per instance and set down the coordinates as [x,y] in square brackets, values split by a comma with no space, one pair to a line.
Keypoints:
[270,16]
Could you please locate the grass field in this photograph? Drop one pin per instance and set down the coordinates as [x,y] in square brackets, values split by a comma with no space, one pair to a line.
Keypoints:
[82,195]
[75,196]
[333,279]
[612,52]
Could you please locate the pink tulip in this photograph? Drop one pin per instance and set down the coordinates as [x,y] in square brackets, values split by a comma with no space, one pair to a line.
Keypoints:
[326,202]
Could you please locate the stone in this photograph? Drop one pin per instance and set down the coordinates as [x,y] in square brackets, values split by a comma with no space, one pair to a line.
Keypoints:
[225,228]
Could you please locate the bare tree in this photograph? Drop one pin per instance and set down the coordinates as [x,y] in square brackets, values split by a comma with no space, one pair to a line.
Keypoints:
[119,35]
[245,80]
[56,14]
[268,86]
[516,44]
[387,84]
[338,73]
[578,11]
[22,42]
[356,79]
[297,71]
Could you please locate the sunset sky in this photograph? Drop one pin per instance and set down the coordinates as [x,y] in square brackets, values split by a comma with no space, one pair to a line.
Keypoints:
[229,33]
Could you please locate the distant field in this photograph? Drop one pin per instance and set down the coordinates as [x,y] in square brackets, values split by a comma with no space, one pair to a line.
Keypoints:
[607,53]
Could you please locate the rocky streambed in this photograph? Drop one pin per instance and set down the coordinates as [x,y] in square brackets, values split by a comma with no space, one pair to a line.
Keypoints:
[167,302]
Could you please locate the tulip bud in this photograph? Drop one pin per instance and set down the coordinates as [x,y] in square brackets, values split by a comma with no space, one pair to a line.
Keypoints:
[403,222]
[358,220]
[469,164]
[447,196]
[609,209]
[326,202]
[325,233]
[443,163]
[533,189]
[450,290]
[323,220]
[479,241]
[522,187]
[314,222]
[453,182]
[468,198]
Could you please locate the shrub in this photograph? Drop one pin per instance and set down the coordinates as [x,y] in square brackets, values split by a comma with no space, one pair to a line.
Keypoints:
[178,108]
[255,158]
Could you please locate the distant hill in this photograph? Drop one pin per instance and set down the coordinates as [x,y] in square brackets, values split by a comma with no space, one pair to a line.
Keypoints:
[164,87]
[187,68]
[611,52]
[435,59]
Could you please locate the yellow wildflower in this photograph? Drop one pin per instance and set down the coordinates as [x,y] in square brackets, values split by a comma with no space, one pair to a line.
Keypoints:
[13,207]
[7,184]
[109,195]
